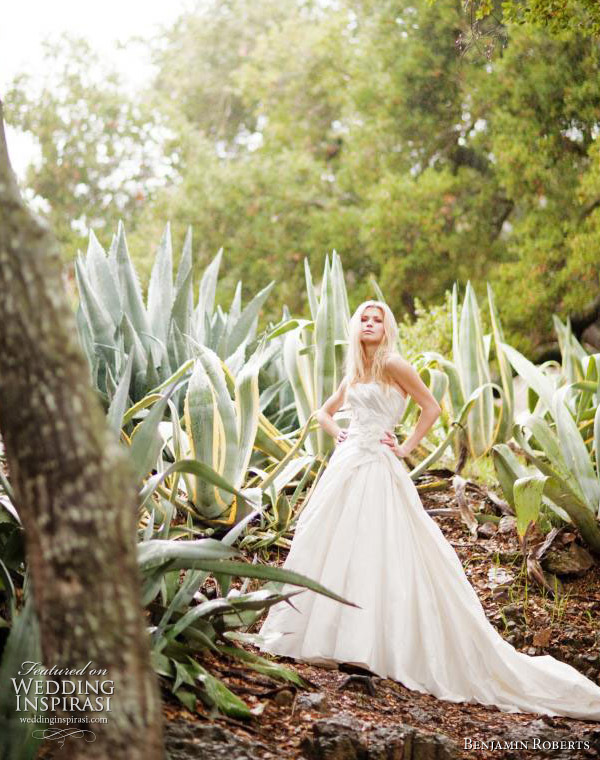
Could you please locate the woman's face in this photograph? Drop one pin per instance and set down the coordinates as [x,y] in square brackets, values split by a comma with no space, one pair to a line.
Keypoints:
[371,326]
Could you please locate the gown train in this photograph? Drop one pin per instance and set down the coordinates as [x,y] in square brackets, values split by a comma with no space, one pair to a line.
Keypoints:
[365,535]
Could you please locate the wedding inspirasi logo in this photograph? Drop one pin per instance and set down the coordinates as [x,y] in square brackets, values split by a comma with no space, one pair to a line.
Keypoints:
[76,691]
[64,694]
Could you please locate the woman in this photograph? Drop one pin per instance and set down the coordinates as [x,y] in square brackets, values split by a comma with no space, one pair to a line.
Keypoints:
[365,535]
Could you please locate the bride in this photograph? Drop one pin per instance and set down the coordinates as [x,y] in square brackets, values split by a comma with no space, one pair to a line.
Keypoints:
[365,535]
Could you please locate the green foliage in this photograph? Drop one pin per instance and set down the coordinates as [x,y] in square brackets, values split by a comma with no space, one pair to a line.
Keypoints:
[542,138]
[100,150]
[581,16]
[149,340]
[188,623]
[560,439]
[481,471]
[429,330]
[438,168]
[468,377]
[198,59]
[314,351]
[267,225]
[296,74]
[19,740]
[366,127]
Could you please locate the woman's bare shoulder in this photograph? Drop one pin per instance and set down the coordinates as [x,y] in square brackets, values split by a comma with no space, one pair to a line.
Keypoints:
[395,362]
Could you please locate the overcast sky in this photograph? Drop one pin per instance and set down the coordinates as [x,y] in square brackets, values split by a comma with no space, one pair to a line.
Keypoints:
[27,23]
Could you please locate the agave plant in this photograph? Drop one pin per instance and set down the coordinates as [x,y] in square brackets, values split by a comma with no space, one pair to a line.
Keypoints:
[186,622]
[224,427]
[520,482]
[561,438]
[469,373]
[219,461]
[20,639]
[314,350]
[18,740]
[277,399]
[573,354]
[221,430]
[115,323]
[12,541]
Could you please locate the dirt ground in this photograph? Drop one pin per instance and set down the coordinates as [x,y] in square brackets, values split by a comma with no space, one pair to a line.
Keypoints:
[527,616]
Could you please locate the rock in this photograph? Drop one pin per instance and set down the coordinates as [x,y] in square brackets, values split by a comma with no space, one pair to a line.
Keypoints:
[501,594]
[362,681]
[570,636]
[185,740]
[419,715]
[542,638]
[333,739]
[409,743]
[544,739]
[507,524]
[487,530]
[316,702]
[572,561]
[566,538]
[346,738]
[498,576]
[284,697]
[514,613]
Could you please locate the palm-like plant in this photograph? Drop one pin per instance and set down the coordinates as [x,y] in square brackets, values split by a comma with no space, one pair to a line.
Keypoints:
[573,354]
[314,350]
[188,623]
[469,376]
[561,438]
[224,427]
[202,462]
[115,324]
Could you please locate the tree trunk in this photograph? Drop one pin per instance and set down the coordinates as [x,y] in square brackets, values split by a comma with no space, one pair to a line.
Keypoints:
[74,490]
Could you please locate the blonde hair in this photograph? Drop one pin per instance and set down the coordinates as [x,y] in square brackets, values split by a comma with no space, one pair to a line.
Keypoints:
[356,365]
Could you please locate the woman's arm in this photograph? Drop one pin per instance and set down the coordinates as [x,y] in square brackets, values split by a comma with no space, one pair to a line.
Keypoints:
[329,408]
[408,378]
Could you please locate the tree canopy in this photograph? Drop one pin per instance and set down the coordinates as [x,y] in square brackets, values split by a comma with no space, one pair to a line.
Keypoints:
[371,128]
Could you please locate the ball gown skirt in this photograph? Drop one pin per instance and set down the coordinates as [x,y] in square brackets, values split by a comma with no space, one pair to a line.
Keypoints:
[365,535]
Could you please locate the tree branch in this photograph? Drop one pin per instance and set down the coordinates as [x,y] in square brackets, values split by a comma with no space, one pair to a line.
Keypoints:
[589,209]
[9,188]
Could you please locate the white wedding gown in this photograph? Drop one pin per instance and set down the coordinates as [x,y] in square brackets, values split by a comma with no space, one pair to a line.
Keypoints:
[365,535]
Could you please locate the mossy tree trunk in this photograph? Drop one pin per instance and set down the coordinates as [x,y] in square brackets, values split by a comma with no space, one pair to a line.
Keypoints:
[75,493]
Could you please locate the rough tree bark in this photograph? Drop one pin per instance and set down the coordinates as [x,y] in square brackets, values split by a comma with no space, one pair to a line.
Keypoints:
[74,490]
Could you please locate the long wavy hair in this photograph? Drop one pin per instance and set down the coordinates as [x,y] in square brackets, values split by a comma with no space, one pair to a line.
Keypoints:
[356,359]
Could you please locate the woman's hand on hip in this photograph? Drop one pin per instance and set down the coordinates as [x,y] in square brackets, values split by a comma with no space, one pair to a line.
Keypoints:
[389,439]
[341,437]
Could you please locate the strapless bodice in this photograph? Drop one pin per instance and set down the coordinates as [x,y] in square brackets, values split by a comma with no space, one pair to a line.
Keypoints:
[373,411]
